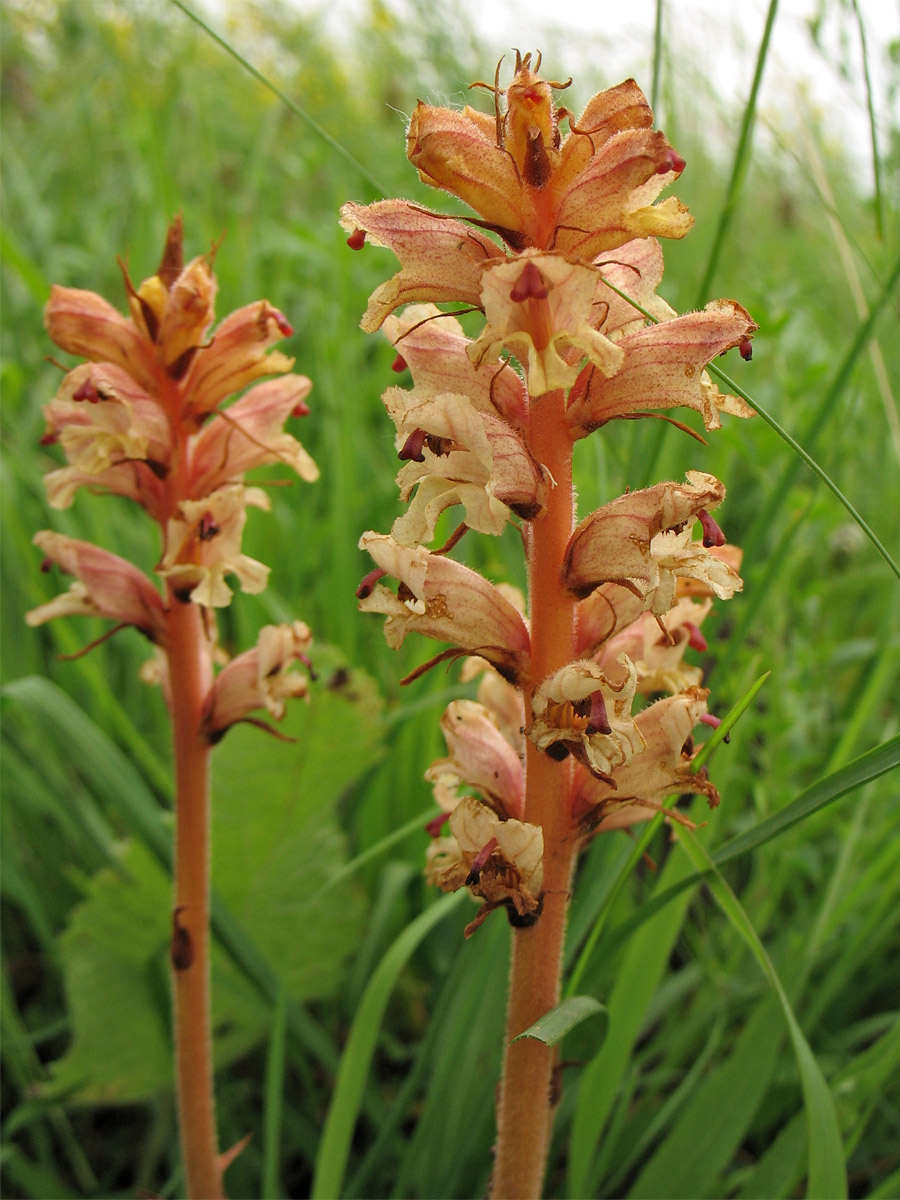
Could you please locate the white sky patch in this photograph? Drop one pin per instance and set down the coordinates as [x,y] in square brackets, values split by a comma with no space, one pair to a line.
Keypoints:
[601,42]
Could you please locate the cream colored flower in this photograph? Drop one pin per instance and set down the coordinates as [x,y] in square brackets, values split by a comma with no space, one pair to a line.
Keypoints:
[539,306]
[445,600]
[579,711]
[203,545]
[105,586]
[501,861]
[259,678]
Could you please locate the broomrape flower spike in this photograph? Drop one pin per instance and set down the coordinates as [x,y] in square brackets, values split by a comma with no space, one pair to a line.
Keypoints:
[145,418]
[560,254]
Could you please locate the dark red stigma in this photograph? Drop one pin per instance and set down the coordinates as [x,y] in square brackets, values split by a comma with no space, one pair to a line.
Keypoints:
[300,409]
[399,364]
[529,286]
[46,565]
[745,348]
[208,527]
[411,450]
[598,722]
[671,161]
[369,581]
[696,640]
[357,239]
[712,534]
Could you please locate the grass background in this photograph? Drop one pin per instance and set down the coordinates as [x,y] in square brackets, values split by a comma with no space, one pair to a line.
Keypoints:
[115,116]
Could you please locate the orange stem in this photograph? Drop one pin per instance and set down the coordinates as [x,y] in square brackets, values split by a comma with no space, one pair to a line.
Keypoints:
[524,1115]
[190,675]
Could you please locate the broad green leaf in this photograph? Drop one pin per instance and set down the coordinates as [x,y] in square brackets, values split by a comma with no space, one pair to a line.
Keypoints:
[276,844]
[553,1026]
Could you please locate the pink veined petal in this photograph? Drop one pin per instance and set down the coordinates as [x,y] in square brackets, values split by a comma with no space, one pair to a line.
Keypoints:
[440,257]
[106,586]
[85,324]
[445,600]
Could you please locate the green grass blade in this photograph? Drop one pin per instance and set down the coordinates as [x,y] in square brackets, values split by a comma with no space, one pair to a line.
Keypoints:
[819,795]
[657,59]
[741,159]
[862,770]
[873,134]
[274,1091]
[636,982]
[295,108]
[827,1172]
[334,1148]
[553,1026]
[809,460]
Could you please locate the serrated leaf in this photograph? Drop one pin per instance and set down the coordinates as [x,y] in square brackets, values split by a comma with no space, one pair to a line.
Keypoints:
[275,843]
[553,1026]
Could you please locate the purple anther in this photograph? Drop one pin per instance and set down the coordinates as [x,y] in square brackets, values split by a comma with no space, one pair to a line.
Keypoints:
[598,722]
[696,640]
[411,450]
[369,581]
[712,534]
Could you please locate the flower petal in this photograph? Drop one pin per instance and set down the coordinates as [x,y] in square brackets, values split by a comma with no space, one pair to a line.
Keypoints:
[440,257]
[510,871]
[563,709]
[106,586]
[613,543]
[250,434]
[237,354]
[467,457]
[434,348]
[444,600]
[259,678]
[663,368]
[85,324]
[654,772]
[539,306]
[480,757]
[203,544]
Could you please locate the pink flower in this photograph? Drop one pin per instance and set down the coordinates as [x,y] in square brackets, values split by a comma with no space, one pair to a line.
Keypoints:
[447,601]
[106,586]
[259,678]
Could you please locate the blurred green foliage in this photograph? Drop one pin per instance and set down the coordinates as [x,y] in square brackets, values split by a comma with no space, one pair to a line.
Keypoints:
[115,116]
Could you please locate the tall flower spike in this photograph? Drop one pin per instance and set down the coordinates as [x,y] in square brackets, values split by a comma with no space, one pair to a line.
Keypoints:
[145,419]
[561,257]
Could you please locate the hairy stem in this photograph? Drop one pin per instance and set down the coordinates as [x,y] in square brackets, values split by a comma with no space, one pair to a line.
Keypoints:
[189,678]
[525,1105]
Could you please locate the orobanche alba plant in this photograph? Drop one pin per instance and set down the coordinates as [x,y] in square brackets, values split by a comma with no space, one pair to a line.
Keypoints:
[563,259]
[145,419]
